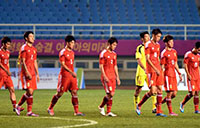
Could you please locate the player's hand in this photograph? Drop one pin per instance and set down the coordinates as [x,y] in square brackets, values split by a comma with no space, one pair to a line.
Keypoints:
[157,72]
[9,73]
[29,76]
[106,79]
[74,74]
[38,78]
[189,77]
[180,77]
[118,81]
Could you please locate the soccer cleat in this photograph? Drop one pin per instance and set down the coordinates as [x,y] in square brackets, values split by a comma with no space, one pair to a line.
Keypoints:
[197,112]
[154,110]
[79,114]
[173,114]
[17,110]
[137,110]
[111,114]
[21,109]
[51,112]
[102,111]
[181,108]
[32,114]
[160,114]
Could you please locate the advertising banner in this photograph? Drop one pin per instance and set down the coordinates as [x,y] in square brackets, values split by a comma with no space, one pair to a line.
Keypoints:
[48,78]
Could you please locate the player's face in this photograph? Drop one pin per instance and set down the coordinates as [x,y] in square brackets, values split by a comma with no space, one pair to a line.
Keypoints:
[197,50]
[71,44]
[113,46]
[157,37]
[30,38]
[170,43]
[146,38]
[7,45]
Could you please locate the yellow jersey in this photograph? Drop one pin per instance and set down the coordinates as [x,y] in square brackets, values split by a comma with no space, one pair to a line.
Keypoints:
[140,54]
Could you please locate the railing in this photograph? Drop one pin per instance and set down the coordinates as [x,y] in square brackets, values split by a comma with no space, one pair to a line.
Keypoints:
[98,31]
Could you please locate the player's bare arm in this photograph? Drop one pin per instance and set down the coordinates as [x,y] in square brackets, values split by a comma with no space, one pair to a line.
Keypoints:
[36,70]
[1,66]
[178,71]
[141,64]
[26,69]
[186,69]
[152,65]
[103,73]
[67,69]
[117,75]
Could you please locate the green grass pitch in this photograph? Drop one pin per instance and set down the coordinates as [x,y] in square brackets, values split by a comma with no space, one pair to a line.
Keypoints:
[88,102]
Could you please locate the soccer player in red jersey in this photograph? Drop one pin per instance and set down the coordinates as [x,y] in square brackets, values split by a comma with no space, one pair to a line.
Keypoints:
[109,75]
[154,72]
[191,65]
[169,65]
[67,78]
[29,70]
[5,74]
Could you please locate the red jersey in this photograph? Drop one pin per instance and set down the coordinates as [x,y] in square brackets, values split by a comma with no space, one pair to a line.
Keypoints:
[68,57]
[192,62]
[153,49]
[169,59]
[109,60]
[30,55]
[4,57]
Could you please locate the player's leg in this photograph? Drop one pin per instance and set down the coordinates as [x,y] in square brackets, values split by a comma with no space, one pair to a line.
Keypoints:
[196,102]
[169,103]
[138,89]
[54,100]
[74,100]
[109,104]
[159,101]
[30,102]
[186,99]
[153,103]
[105,98]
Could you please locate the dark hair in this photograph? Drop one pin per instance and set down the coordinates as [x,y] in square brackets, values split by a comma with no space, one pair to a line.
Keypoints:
[5,40]
[112,40]
[26,34]
[167,38]
[69,38]
[156,31]
[197,45]
[143,33]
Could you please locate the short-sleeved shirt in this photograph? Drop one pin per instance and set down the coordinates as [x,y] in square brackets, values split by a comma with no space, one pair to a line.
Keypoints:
[68,57]
[192,62]
[109,60]
[169,59]
[30,55]
[153,50]
[4,56]
[140,54]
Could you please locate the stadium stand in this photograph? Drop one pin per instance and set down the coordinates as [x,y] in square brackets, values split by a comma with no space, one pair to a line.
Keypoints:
[101,12]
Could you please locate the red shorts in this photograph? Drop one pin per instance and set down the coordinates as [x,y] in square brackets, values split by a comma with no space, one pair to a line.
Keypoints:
[193,85]
[109,86]
[6,81]
[154,79]
[31,83]
[170,83]
[66,83]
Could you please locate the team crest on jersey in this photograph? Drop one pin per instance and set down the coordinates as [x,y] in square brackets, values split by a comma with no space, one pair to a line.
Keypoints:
[151,81]
[2,55]
[170,86]
[168,55]
[193,87]
[110,88]
[28,50]
[175,54]
[193,58]
[108,56]
[114,57]
[158,49]
[34,51]
[28,84]
[152,48]
[8,55]
[67,54]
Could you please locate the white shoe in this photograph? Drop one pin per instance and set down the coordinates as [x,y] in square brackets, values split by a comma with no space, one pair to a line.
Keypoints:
[111,114]
[102,111]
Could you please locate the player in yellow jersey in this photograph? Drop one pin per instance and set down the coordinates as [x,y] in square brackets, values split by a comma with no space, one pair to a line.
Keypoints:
[141,76]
